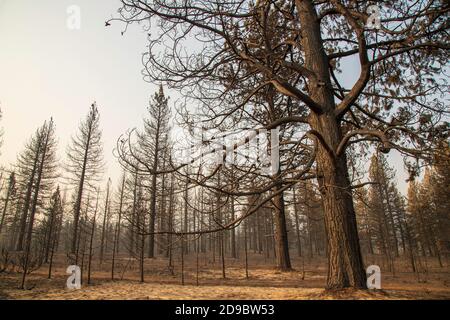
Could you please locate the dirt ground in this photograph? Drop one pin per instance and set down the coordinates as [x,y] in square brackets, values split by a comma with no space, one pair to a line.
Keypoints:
[264,283]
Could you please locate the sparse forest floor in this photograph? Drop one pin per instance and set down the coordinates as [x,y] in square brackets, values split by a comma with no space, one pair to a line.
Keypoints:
[264,283]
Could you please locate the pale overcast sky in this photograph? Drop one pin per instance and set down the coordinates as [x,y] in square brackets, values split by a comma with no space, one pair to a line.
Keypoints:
[47,70]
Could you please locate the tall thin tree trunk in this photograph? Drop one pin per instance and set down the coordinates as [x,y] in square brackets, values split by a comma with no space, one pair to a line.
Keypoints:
[197,262]
[186,213]
[182,260]
[141,258]
[246,249]
[91,240]
[233,232]
[77,208]
[151,240]
[297,224]
[105,216]
[114,252]
[281,240]
[5,208]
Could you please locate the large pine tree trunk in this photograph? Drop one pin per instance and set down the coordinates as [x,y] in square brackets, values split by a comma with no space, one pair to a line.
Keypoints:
[345,265]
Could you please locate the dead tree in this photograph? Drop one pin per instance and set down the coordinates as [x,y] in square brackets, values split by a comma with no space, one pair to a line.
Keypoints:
[85,164]
[91,237]
[45,175]
[104,224]
[10,193]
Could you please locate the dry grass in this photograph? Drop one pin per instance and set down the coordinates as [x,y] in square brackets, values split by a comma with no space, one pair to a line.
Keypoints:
[265,283]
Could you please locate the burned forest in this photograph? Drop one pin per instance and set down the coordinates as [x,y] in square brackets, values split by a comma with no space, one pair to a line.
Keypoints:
[268,150]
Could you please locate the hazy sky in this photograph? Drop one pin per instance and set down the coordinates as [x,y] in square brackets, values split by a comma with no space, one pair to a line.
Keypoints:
[47,70]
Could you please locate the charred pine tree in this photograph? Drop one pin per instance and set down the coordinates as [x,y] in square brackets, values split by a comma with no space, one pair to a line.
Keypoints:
[57,233]
[144,154]
[85,164]
[44,174]
[54,213]
[10,194]
[117,228]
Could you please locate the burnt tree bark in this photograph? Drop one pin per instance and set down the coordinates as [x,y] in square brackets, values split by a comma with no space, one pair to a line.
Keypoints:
[345,264]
